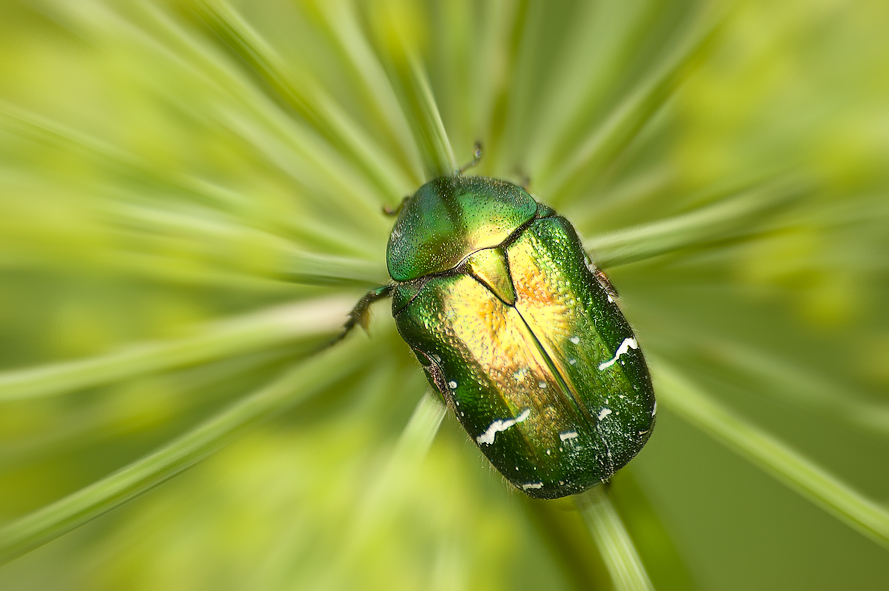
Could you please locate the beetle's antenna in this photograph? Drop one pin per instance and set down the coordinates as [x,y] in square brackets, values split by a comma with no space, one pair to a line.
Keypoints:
[476,156]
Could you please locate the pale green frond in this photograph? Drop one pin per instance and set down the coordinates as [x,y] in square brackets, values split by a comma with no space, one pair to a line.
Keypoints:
[435,149]
[813,389]
[529,60]
[340,17]
[506,27]
[383,495]
[770,453]
[620,555]
[735,214]
[306,379]
[315,269]
[299,151]
[130,406]
[43,129]
[622,126]
[602,40]
[253,332]
[308,98]
[397,27]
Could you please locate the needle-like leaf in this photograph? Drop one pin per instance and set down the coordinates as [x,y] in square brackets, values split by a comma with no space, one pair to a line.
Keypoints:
[252,332]
[305,379]
[769,453]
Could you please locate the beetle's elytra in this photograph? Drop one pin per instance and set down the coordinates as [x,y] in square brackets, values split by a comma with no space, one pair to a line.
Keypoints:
[503,308]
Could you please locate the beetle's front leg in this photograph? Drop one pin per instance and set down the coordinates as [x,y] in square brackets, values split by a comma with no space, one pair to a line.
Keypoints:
[360,313]
[601,278]
[393,211]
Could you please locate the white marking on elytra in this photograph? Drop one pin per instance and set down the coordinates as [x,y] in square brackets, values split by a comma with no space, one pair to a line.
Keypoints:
[572,361]
[609,298]
[574,340]
[501,425]
[605,412]
[541,385]
[452,384]
[654,410]
[626,345]
[549,452]
[531,485]
[567,435]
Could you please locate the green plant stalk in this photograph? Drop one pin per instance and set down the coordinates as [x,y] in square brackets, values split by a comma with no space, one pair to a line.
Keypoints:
[611,537]
[381,499]
[216,340]
[770,454]
[411,85]
[727,218]
[296,385]
[623,126]
[303,94]
[423,117]
[344,29]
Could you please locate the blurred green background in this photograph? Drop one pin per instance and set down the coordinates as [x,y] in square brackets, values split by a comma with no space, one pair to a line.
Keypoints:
[190,202]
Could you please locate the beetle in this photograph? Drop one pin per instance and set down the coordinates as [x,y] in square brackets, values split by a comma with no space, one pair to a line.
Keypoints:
[518,331]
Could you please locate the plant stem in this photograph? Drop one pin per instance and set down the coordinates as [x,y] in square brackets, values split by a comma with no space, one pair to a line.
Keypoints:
[78,508]
[623,562]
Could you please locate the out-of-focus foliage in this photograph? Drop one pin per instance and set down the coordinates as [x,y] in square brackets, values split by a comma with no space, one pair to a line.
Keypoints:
[190,196]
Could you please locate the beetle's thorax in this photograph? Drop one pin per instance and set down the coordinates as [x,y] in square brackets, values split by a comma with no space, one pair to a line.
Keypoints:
[449,219]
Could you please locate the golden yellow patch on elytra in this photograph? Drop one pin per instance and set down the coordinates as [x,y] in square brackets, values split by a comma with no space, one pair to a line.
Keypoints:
[540,294]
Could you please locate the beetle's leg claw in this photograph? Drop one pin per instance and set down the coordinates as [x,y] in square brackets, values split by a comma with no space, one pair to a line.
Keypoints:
[605,282]
[393,211]
[360,314]
[362,319]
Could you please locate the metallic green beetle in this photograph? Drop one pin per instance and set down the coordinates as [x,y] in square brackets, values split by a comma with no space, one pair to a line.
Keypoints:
[518,332]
